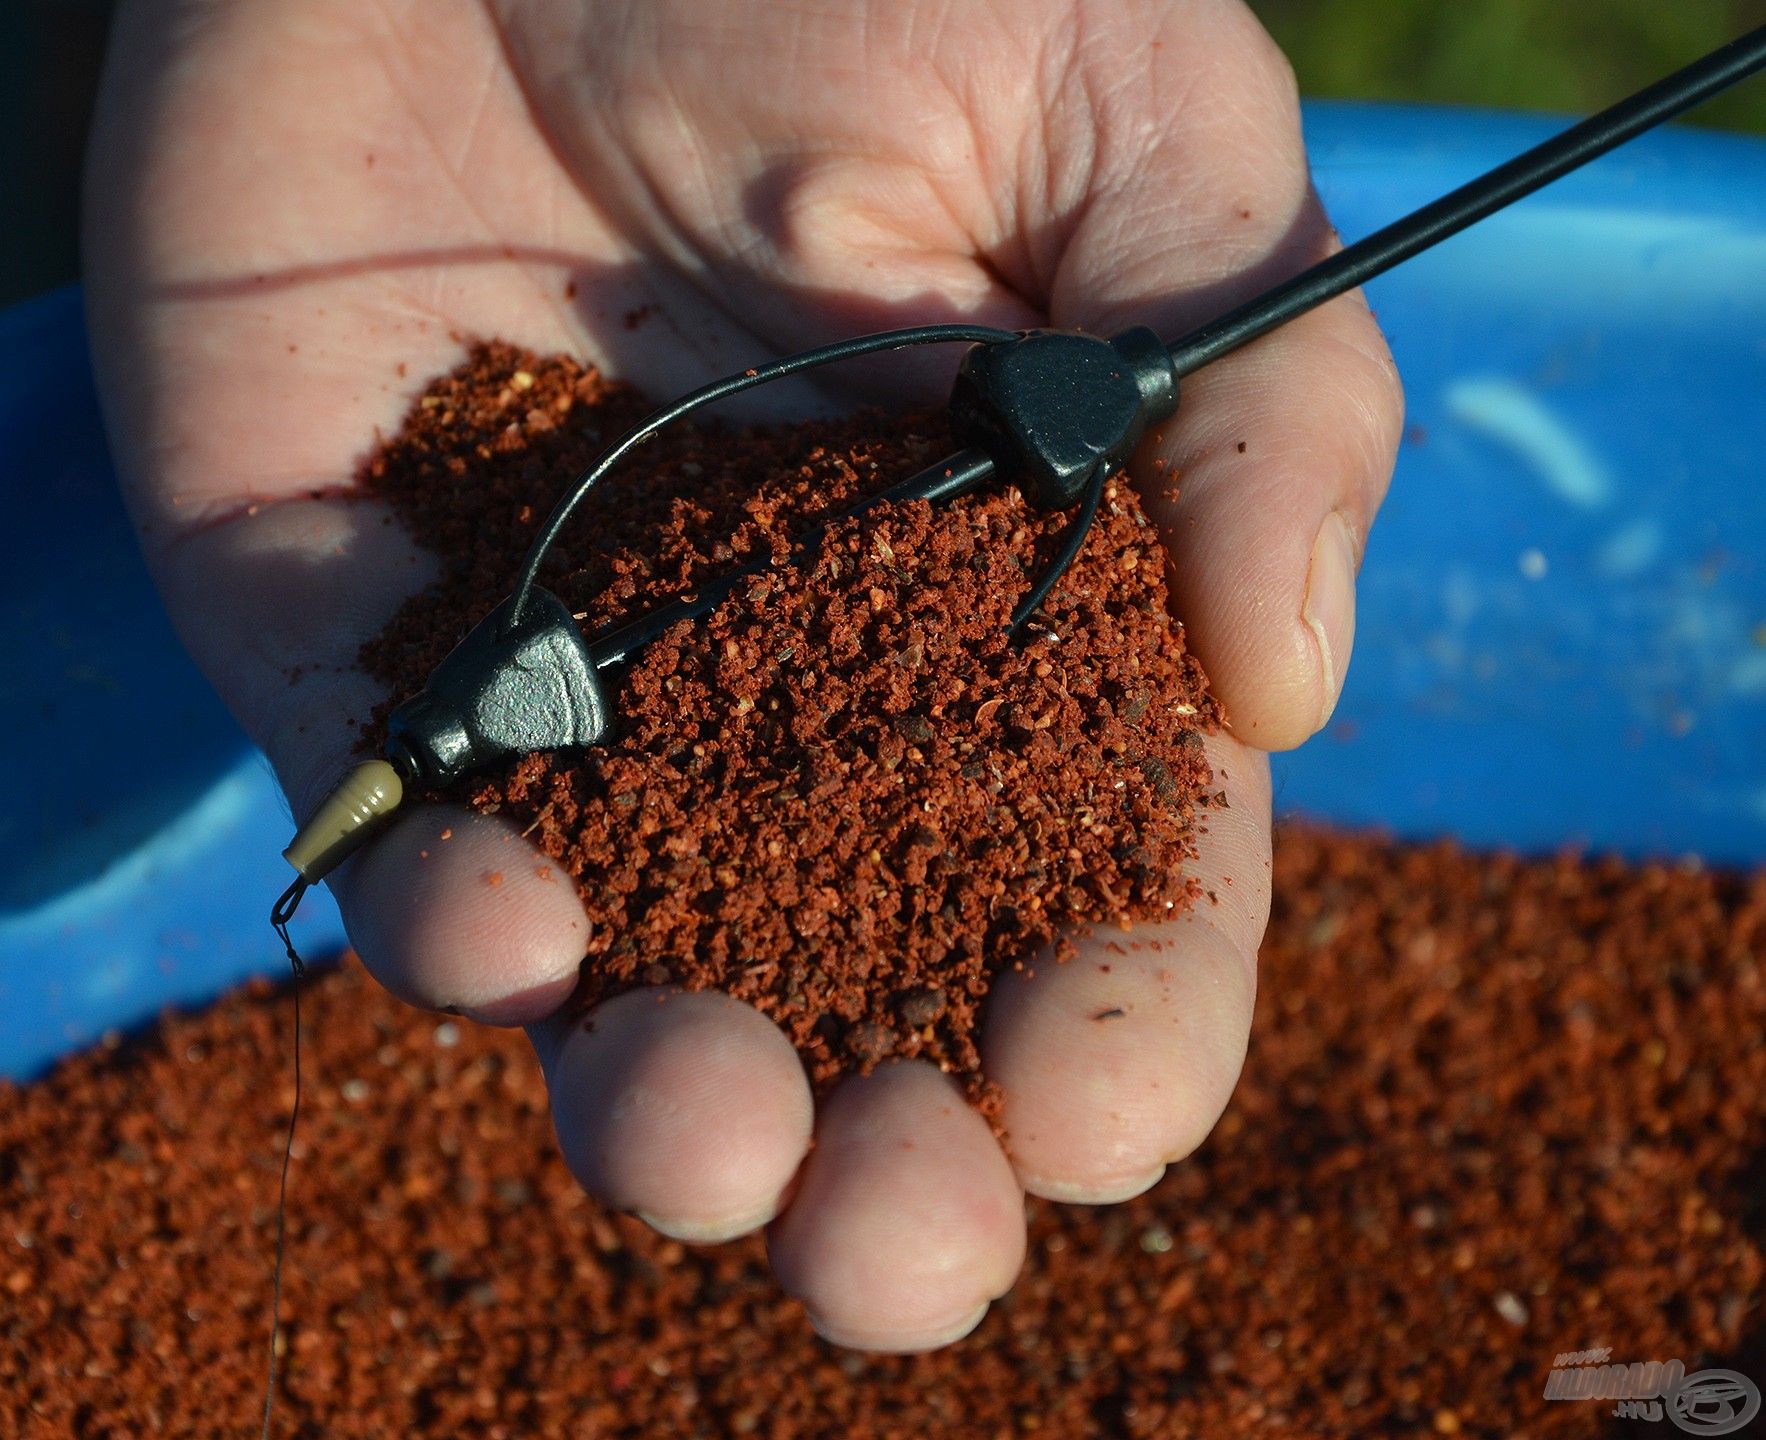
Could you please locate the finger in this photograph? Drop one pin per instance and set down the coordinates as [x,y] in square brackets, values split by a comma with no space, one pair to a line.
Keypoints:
[907,1222]
[1268,478]
[449,909]
[1120,1061]
[453,910]
[690,1109]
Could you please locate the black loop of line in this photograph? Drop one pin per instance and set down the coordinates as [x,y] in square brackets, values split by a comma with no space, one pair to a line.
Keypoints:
[1069,551]
[719,390]
[280,915]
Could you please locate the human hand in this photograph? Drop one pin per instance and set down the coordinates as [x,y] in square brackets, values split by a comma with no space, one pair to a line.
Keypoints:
[297,208]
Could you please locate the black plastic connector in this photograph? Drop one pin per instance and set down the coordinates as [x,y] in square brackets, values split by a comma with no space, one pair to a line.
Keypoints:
[1053,406]
[515,684]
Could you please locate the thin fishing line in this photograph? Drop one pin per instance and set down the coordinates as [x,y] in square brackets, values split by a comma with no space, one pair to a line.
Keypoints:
[280,915]
[1068,553]
[720,390]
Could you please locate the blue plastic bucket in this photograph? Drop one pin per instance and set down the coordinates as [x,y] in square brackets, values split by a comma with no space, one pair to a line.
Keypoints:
[1562,634]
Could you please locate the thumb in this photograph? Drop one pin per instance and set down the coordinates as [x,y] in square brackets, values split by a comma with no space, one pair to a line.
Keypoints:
[1267,479]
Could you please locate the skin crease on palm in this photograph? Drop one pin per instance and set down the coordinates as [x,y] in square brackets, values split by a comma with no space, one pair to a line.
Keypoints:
[297,208]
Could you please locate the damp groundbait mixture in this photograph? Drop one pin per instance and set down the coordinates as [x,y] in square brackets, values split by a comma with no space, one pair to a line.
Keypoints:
[1494,1111]
[845,797]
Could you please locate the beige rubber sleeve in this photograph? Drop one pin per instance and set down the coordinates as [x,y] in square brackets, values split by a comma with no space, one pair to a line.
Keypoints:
[346,820]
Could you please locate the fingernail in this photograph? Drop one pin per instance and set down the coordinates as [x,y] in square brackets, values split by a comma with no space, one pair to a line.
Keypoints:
[1111,1192]
[1329,611]
[920,1340]
[709,1232]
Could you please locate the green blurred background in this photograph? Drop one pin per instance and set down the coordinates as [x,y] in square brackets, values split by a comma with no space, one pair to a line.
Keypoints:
[1570,55]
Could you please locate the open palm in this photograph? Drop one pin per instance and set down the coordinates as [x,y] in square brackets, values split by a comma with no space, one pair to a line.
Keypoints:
[299,209]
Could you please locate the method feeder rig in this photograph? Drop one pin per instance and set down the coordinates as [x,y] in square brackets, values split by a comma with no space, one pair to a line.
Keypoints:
[1052,412]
